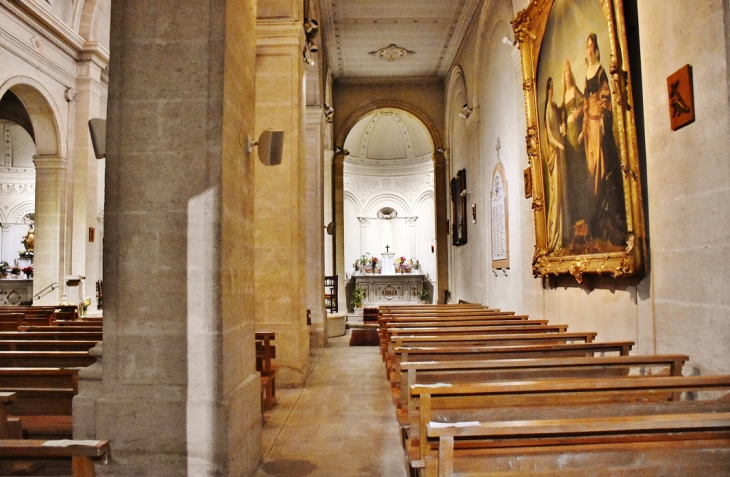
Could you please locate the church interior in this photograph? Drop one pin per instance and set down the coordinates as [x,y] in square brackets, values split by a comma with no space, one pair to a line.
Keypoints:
[536,156]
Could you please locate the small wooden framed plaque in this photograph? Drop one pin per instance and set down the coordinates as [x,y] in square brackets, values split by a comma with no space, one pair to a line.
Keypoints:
[681,98]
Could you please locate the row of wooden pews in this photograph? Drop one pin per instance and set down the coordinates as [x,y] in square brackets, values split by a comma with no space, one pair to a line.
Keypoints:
[480,391]
[40,359]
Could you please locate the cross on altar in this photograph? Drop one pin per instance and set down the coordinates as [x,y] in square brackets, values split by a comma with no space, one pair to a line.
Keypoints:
[387,248]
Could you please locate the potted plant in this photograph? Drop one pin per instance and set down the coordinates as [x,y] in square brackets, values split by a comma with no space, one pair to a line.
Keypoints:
[423,296]
[365,262]
[415,264]
[4,268]
[83,306]
[15,271]
[28,272]
[400,264]
[374,264]
[358,295]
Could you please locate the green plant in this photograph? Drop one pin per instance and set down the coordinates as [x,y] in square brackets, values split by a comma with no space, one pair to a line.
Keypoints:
[15,270]
[423,295]
[4,268]
[358,295]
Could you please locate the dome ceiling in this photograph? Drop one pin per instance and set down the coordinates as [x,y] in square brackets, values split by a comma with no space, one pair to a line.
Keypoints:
[389,137]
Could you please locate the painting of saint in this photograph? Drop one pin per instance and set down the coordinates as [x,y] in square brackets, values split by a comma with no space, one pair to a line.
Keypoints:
[583,182]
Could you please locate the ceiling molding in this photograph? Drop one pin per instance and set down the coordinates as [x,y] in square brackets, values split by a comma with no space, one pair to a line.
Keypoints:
[380,80]
[452,48]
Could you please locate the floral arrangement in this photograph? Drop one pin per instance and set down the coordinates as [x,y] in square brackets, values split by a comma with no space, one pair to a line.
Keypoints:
[26,254]
[415,263]
[15,270]
[84,305]
[28,271]
[400,261]
[4,268]
[374,263]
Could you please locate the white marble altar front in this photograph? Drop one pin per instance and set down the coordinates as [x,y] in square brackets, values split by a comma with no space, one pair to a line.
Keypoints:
[395,289]
[16,291]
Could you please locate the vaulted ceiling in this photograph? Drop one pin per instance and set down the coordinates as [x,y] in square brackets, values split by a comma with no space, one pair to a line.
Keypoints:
[393,38]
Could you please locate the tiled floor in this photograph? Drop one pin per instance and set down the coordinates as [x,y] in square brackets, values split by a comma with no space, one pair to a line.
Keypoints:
[342,423]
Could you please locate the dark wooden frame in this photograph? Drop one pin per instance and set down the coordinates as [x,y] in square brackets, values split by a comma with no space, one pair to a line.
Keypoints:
[458,209]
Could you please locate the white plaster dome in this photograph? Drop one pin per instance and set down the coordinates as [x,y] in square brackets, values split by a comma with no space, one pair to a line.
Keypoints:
[389,136]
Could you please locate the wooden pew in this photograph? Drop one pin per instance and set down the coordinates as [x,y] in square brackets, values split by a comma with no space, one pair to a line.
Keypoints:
[81,453]
[452,372]
[60,329]
[10,321]
[647,445]
[465,402]
[29,378]
[455,353]
[58,334]
[265,352]
[45,359]
[47,345]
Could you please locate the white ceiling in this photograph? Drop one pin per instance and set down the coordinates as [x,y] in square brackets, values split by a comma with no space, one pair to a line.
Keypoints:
[389,136]
[431,29]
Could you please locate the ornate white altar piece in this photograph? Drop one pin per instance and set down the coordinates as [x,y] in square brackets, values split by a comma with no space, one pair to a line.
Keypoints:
[395,289]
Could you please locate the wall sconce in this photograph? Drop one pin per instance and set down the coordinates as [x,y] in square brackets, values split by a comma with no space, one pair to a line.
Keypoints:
[329,113]
[464,193]
[97,129]
[331,228]
[466,111]
[270,145]
[309,48]
[506,40]
[339,150]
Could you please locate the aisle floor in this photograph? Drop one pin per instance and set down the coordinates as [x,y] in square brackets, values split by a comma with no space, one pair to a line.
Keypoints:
[341,423]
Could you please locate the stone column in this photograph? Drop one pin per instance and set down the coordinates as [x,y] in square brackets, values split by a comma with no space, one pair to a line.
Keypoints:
[338,242]
[180,394]
[363,234]
[4,243]
[412,237]
[50,213]
[441,194]
[280,205]
[86,204]
[315,211]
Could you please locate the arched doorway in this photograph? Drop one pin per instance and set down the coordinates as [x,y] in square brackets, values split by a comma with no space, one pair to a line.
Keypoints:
[394,162]
[39,170]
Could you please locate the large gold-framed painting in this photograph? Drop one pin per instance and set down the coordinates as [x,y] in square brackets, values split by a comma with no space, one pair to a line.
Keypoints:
[581,139]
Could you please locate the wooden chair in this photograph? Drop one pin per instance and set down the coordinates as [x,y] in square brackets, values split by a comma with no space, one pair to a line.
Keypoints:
[265,352]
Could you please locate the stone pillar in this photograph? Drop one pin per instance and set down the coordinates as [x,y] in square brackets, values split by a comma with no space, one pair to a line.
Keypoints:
[363,234]
[180,394]
[329,216]
[412,238]
[441,195]
[280,205]
[315,212]
[4,243]
[338,242]
[86,204]
[50,213]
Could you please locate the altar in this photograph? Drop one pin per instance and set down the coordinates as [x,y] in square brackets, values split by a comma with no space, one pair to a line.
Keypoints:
[392,289]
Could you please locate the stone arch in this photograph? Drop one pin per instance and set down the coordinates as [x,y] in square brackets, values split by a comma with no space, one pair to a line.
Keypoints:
[358,114]
[87,19]
[19,211]
[42,111]
[371,208]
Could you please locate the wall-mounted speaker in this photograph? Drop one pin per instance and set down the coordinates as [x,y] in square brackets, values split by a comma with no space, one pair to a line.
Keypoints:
[97,128]
[271,146]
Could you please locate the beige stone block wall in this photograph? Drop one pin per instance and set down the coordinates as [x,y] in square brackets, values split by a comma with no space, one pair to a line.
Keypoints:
[680,305]
[180,392]
[280,206]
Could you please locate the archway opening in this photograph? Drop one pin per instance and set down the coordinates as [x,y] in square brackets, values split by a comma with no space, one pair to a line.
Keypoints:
[17,200]
[389,206]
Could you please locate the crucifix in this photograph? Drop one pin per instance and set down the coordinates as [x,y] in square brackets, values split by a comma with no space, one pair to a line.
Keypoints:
[387,248]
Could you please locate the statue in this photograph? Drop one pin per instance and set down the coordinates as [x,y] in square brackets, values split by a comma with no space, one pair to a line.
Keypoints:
[29,240]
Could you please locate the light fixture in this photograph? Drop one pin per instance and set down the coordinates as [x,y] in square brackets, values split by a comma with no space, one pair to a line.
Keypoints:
[506,40]
[441,150]
[339,150]
[270,146]
[466,111]
[97,129]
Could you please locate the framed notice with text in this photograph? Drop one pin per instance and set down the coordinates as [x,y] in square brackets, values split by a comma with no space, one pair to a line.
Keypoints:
[500,219]
[581,139]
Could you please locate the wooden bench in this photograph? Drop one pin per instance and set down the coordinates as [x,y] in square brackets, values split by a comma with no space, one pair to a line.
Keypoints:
[452,372]
[469,402]
[59,329]
[45,359]
[265,352]
[58,334]
[646,445]
[11,321]
[81,453]
[47,345]
[457,353]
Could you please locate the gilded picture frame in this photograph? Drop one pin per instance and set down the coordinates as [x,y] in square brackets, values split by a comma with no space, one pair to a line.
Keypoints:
[581,139]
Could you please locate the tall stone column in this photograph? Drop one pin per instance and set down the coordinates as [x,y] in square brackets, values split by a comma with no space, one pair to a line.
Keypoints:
[50,213]
[280,205]
[338,242]
[86,196]
[315,213]
[441,194]
[4,242]
[363,234]
[180,393]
